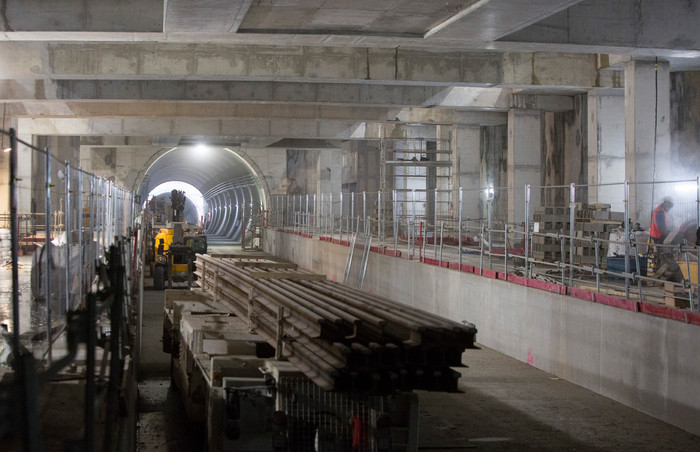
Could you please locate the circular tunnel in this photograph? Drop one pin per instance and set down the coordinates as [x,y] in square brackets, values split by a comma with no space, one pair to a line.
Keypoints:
[227,183]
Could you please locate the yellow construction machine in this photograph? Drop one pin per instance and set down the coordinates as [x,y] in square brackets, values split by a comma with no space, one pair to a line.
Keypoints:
[175,245]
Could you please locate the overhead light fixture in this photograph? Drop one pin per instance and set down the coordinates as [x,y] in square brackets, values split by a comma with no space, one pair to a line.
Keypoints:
[6,149]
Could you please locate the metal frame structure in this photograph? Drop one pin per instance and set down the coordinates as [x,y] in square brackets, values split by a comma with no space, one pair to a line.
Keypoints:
[103,294]
[334,218]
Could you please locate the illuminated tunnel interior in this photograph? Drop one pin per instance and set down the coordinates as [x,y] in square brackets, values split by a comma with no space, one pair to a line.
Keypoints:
[218,183]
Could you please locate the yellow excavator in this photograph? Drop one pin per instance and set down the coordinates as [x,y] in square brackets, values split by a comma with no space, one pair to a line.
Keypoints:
[175,247]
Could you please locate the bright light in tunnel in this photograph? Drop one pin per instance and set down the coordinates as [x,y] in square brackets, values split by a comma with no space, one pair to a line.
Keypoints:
[191,193]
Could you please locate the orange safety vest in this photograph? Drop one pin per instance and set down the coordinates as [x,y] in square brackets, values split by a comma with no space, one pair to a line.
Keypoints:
[654,230]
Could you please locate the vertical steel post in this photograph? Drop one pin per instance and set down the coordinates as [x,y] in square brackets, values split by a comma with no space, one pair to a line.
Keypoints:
[331,220]
[627,238]
[481,249]
[639,272]
[413,225]
[93,244]
[490,222]
[690,278]
[442,229]
[99,217]
[315,215]
[364,209]
[435,225]
[67,229]
[380,224]
[47,255]
[597,260]
[14,251]
[526,236]
[81,270]
[307,213]
[394,220]
[321,219]
[561,262]
[572,222]
[505,250]
[459,227]
[352,211]
[341,217]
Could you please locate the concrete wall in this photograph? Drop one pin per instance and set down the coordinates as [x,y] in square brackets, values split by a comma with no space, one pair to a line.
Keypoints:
[565,151]
[606,141]
[685,123]
[646,362]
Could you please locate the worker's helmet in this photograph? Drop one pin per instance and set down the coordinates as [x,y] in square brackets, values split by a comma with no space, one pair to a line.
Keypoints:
[668,201]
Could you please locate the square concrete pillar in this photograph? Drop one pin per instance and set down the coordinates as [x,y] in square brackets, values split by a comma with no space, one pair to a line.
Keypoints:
[524,159]
[606,144]
[27,183]
[647,132]
[330,168]
[466,167]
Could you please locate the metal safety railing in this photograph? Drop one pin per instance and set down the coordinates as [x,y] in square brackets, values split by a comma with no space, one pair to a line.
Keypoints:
[574,235]
[71,257]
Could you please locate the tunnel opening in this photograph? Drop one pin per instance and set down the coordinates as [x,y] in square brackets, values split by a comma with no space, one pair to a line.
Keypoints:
[220,184]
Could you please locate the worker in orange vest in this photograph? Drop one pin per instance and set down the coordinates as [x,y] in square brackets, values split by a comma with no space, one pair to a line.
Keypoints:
[660,224]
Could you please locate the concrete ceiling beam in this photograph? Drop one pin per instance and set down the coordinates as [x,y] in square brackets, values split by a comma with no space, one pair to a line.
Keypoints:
[81,15]
[157,61]
[244,111]
[289,128]
[248,91]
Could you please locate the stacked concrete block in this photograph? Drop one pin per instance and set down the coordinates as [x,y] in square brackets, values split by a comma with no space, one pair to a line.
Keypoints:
[550,220]
[588,220]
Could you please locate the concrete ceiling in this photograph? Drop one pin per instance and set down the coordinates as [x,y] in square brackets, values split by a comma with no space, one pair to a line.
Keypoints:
[254,72]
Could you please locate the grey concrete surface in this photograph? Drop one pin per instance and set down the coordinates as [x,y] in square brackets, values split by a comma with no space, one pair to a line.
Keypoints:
[510,405]
[162,421]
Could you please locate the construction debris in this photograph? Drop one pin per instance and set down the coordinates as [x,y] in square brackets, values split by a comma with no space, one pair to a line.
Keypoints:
[341,338]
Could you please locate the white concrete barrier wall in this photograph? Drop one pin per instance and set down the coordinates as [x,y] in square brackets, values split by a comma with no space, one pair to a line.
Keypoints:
[646,362]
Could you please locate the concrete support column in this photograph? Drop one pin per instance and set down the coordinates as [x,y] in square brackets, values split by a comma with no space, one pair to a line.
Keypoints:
[329,170]
[466,168]
[606,143]
[127,166]
[524,158]
[647,131]
[26,180]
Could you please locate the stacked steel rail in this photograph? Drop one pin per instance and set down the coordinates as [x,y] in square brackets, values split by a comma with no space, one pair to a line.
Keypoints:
[341,338]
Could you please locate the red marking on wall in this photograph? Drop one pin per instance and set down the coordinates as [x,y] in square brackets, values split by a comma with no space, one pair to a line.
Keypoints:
[530,358]
[515,279]
[333,277]
[654,309]
[489,273]
[616,302]
[582,294]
